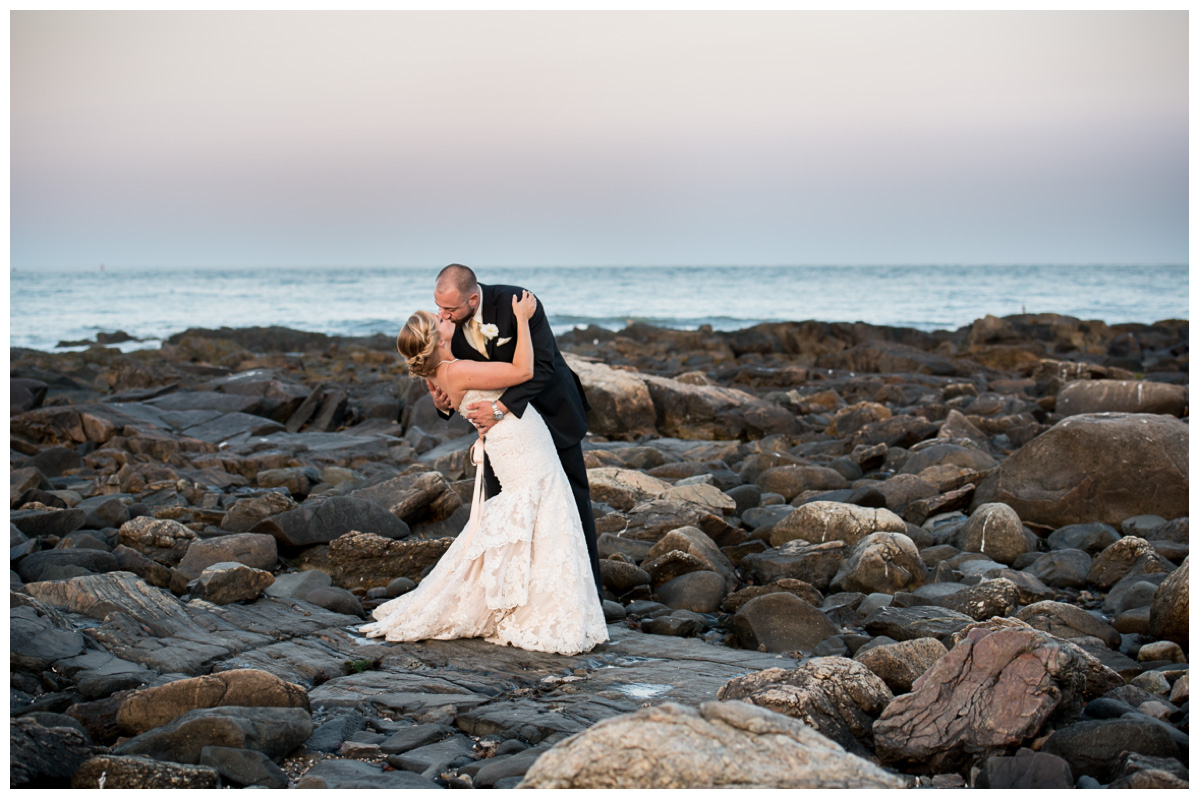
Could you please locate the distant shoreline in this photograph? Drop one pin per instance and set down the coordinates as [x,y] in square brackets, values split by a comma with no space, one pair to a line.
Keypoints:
[305,339]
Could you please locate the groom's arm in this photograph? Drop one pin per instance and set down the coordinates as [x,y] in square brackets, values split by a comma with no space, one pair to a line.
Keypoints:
[517,398]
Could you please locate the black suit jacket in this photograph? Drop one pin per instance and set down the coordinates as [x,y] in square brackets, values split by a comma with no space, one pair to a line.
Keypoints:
[554,390]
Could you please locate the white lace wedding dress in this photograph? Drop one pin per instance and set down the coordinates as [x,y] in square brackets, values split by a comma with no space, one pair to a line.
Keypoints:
[519,572]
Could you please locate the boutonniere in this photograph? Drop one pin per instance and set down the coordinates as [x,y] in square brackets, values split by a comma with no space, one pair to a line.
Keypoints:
[489,331]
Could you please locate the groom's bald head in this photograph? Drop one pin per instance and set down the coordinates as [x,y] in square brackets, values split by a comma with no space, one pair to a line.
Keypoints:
[456,293]
[456,277]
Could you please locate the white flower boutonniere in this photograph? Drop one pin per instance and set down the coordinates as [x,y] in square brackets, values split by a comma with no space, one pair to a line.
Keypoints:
[489,331]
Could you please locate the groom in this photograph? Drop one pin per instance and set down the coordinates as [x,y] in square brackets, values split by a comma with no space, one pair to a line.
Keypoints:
[485,330]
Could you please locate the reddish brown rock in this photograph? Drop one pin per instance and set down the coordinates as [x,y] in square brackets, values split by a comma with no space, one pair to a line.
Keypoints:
[1096,468]
[992,690]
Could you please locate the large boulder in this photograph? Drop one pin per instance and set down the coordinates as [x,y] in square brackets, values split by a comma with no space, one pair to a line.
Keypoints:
[688,411]
[1135,397]
[620,402]
[718,745]
[1095,468]
[836,696]
[827,521]
[993,690]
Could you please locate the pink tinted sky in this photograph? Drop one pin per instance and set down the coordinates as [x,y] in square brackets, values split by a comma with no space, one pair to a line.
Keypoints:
[530,138]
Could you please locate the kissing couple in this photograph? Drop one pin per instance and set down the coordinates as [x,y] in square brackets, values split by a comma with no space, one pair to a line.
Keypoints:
[525,570]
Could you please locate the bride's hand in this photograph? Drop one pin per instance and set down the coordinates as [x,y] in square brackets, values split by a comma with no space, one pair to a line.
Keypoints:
[524,307]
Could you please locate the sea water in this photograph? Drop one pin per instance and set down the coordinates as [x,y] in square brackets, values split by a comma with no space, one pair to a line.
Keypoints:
[50,306]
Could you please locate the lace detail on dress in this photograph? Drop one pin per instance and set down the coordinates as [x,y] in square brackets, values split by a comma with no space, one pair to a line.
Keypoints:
[521,575]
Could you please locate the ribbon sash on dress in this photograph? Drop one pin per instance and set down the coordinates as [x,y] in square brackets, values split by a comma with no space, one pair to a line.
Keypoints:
[473,521]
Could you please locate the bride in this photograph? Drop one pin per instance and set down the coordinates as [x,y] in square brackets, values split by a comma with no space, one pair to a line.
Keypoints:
[519,572]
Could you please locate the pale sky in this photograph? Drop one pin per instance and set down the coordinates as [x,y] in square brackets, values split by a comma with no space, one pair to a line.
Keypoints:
[593,138]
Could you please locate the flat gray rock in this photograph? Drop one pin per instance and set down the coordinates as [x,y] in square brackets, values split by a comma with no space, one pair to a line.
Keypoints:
[348,774]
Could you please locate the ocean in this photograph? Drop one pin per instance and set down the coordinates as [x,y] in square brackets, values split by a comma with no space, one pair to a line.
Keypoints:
[50,306]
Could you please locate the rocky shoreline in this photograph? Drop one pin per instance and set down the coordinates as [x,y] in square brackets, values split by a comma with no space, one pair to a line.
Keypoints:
[835,555]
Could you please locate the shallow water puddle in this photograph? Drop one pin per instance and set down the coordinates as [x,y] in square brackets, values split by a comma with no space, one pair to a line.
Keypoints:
[643,691]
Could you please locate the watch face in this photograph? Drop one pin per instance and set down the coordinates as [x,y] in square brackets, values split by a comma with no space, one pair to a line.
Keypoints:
[498,414]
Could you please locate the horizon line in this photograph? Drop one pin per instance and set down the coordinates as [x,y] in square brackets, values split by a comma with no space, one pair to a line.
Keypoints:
[778,265]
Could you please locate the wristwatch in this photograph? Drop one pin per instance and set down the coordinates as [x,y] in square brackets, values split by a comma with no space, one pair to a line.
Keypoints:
[497,414]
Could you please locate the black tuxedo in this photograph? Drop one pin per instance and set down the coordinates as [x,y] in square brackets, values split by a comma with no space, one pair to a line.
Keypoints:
[554,390]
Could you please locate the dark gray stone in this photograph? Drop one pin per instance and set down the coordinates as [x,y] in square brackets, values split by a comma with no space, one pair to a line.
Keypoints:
[272,731]
[349,774]
[747,496]
[1094,747]
[34,566]
[780,622]
[35,643]
[435,757]
[309,525]
[44,758]
[918,622]
[336,599]
[677,623]
[1062,568]
[298,584]
[413,737]
[813,563]
[701,591]
[54,461]
[244,767]
[501,768]
[329,736]
[48,522]
[1090,537]
[149,570]
[1025,770]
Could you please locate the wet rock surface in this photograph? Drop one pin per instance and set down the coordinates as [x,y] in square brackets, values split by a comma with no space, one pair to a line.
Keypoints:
[833,555]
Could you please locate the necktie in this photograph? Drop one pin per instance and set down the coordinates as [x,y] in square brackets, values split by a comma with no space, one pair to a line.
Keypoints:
[475,337]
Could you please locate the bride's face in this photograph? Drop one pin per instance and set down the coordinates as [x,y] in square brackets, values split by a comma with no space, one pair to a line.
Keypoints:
[445,329]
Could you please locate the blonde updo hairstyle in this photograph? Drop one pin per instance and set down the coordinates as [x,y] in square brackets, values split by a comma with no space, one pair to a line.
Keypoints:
[418,342]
